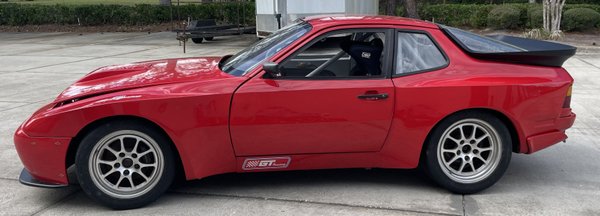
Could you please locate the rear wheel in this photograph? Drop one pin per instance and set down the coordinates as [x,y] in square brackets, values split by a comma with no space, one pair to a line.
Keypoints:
[468,152]
[124,165]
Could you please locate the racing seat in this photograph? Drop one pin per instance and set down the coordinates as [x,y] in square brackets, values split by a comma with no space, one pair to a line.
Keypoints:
[367,56]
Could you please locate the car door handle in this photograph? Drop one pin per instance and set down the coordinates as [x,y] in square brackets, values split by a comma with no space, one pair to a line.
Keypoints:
[370,96]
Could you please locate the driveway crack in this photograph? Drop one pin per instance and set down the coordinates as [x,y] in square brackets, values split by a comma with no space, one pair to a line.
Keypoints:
[463,205]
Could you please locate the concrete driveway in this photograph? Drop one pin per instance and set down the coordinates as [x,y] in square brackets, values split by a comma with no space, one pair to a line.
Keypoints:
[35,67]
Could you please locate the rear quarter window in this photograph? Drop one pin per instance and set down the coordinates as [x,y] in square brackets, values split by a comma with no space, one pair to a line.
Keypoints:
[416,52]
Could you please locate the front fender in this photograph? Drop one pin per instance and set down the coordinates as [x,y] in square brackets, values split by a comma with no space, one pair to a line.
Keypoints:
[195,118]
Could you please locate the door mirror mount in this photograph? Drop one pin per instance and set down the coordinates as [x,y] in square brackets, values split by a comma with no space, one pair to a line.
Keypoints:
[272,70]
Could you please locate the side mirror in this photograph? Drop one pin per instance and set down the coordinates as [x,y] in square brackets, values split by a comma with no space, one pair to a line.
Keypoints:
[272,70]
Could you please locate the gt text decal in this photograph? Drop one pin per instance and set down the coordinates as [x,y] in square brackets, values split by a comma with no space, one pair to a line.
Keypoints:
[266,163]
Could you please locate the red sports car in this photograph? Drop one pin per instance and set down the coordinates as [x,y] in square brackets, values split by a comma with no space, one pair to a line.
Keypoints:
[326,92]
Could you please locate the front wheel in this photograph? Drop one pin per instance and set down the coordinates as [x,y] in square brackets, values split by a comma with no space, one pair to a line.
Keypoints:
[124,165]
[468,152]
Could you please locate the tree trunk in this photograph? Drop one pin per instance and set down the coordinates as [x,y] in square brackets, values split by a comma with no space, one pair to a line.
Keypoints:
[410,9]
[165,2]
[390,7]
[552,15]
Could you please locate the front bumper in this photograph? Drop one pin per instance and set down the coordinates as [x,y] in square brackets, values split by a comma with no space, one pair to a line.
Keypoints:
[43,158]
[544,140]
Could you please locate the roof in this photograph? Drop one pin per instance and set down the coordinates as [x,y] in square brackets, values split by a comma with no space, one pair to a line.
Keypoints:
[362,19]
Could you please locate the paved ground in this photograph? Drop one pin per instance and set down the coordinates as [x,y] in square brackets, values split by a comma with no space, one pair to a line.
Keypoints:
[34,68]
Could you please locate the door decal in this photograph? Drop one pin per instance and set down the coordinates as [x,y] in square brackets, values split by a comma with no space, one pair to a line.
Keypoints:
[266,163]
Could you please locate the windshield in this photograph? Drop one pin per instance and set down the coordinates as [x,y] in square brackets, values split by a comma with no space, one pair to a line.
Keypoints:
[480,44]
[247,59]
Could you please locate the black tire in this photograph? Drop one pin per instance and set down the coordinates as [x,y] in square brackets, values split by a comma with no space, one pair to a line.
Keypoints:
[156,182]
[209,38]
[449,172]
[197,40]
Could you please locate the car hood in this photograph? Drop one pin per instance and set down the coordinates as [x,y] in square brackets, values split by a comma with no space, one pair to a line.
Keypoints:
[142,74]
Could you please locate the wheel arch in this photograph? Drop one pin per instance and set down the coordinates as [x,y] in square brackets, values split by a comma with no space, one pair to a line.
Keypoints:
[515,136]
[75,142]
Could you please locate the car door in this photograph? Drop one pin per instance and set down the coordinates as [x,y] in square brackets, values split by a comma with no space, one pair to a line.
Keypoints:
[333,112]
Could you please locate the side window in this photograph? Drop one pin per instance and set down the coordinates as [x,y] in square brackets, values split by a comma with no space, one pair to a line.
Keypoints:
[339,54]
[417,52]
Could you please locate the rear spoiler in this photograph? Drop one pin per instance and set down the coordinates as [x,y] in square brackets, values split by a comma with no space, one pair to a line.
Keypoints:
[536,52]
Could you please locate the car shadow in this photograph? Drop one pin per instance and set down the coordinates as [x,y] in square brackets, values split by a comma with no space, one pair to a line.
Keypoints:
[308,178]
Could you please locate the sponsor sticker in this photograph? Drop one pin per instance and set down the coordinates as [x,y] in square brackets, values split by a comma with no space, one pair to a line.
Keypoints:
[266,163]
[366,55]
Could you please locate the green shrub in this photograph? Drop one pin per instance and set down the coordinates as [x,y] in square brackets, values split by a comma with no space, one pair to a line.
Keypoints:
[535,17]
[142,14]
[580,19]
[478,17]
[454,14]
[504,17]
[595,7]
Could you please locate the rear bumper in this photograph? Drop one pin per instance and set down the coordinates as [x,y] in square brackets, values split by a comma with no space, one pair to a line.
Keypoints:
[43,158]
[26,179]
[544,140]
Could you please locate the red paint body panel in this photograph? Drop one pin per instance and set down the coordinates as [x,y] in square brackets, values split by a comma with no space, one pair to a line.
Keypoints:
[217,120]
[544,140]
[43,157]
[270,117]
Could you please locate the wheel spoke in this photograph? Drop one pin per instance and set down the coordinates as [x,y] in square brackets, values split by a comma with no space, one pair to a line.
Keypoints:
[130,182]
[485,149]
[481,138]
[142,174]
[137,142]
[450,150]
[110,172]
[472,166]
[122,144]
[462,166]
[456,157]
[454,140]
[481,159]
[112,151]
[474,131]
[144,153]
[142,165]
[119,181]
[462,132]
[111,163]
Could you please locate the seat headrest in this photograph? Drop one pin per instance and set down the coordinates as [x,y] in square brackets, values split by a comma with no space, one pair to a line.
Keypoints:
[377,42]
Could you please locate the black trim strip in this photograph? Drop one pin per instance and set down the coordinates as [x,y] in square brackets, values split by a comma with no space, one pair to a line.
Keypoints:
[26,179]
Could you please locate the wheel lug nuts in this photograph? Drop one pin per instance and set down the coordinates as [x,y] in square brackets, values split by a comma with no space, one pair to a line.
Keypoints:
[134,155]
[458,152]
[467,158]
[136,166]
[126,172]
[121,154]
[117,165]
